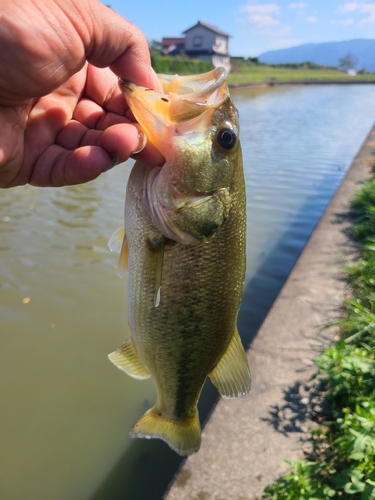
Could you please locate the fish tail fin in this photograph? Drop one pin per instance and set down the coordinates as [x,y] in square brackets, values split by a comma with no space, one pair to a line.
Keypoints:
[183,436]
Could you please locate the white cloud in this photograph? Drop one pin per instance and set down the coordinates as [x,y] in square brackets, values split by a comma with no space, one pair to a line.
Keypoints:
[362,8]
[261,15]
[312,19]
[260,39]
[368,8]
[268,30]
[262,21]
[350,7]
[298,5]
[279,38]
[343,22]
[261,9]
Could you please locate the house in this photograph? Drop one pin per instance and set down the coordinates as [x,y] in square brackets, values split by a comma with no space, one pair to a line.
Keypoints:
[208,42]
[173,45]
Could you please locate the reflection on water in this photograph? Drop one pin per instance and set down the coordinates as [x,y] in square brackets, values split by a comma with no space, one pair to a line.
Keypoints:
[66,411]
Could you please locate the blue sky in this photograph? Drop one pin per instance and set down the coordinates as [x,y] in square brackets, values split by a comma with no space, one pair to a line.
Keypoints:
[255,26]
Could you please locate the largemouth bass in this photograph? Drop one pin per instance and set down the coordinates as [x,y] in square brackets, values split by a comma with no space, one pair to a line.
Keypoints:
[184,247]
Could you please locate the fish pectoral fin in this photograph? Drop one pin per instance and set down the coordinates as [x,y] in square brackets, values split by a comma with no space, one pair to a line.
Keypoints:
[116,239]
[118,243]
[231,375]
[124,258]
[126,359]
[182,435]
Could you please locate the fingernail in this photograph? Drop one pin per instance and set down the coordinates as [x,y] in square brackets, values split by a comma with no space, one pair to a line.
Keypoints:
[115,160]
[142,142]
[157,84]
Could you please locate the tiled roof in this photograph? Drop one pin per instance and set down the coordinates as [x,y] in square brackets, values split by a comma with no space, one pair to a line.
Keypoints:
[209,26]
[166,41]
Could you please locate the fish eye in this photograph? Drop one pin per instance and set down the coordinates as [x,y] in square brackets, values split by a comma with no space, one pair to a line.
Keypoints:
[226,138]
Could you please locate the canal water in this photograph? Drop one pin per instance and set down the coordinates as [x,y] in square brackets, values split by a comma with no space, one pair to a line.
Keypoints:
[65,409]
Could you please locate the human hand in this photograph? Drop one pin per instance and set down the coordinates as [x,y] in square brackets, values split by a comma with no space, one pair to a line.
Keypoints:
[63,119]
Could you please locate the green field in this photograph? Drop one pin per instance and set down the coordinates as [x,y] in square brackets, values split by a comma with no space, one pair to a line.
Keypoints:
[250,72]
[244,72]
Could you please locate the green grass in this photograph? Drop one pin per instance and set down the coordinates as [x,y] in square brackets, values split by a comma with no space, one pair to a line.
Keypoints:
[243,73]
[341,463]
[247,72]
[179,65]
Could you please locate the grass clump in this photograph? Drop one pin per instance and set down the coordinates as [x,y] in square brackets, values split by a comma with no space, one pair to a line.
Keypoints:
[341,463]
[179,65]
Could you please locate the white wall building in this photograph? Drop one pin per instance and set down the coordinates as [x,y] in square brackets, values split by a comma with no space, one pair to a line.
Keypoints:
[207,42]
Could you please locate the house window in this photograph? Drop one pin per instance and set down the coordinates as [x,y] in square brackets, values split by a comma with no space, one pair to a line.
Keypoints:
[197,41]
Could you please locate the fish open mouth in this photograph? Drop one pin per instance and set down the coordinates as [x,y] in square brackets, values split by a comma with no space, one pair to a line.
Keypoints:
[184,98]
[200,89]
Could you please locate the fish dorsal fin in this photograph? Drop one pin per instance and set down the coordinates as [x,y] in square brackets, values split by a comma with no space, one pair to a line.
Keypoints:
[118,243]
[231,375]
[126,359]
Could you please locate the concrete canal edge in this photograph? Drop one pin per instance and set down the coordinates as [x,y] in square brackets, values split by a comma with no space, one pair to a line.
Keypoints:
[245,441]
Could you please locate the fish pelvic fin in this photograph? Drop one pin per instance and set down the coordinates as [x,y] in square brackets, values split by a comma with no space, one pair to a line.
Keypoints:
[126,359]
[231,375]
[118,243]
[183,436]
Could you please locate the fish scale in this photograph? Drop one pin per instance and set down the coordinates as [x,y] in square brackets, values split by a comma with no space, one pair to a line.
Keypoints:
[185,243]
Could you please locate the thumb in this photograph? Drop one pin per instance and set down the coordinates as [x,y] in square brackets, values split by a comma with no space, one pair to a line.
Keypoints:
[111,40]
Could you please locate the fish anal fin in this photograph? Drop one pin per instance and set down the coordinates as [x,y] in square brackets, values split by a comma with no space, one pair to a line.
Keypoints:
[126,359]
[231,375]
[183,436]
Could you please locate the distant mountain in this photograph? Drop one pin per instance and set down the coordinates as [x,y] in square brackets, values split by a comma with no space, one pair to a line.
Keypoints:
[325,54]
